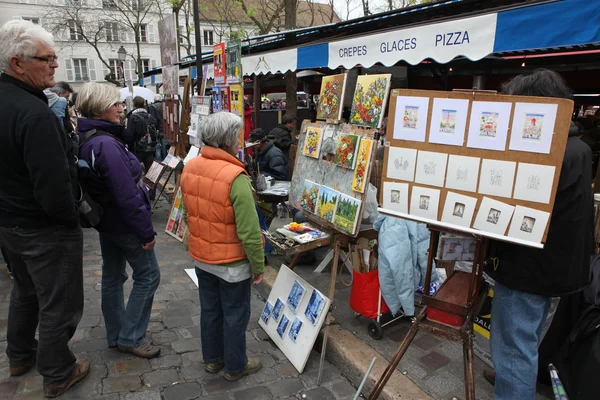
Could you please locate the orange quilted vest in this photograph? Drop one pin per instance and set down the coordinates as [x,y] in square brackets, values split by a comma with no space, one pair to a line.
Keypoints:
[206,185]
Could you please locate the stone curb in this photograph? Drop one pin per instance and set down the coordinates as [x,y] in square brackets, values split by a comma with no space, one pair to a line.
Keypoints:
[353,357]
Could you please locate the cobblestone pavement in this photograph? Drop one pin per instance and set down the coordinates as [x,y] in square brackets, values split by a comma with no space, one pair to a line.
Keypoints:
[178,373]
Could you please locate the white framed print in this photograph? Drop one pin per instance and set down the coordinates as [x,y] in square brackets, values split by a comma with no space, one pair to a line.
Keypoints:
[488,127]
[448,121]
[528,224]
[395,196]
[462,173]
[459,209]
[425,202]
[534,182]
[431,168]
[497,177]
[493,216]
[411,118]
[533,127]
[401,163]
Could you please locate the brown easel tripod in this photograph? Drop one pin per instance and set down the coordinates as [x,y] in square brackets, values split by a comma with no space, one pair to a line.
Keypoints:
[461,294]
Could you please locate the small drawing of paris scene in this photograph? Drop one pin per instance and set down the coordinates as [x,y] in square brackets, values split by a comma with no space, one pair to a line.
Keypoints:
[532,127]
[411,117]
[448,122]
[488,124]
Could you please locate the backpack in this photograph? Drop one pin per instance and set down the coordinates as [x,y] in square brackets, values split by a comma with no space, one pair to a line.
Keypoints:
[149,133]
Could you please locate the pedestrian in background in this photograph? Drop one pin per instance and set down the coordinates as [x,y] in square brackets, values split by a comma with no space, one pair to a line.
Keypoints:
[282,134]
[39,219]
[225,243]
[126,230]
[156,110]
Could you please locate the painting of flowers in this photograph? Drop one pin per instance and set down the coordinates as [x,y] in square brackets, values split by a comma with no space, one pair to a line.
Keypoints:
[361,173]
[369,101]
[312,142]
[345,152]
[326,203]
[346,213]
[309,196]
[332,97]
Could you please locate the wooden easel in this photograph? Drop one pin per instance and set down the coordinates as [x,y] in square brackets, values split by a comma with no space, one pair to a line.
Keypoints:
[461,294]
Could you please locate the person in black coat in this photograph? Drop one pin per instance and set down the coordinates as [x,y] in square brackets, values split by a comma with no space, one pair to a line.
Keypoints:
[269,159]
[528,278]
[282,134]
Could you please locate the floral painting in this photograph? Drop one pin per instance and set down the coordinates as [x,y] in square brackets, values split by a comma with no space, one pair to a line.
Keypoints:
[369,101]
[346,213]
[312,142]
[326,203]
[309,196]
[332,97]
[345,152]
[361,173]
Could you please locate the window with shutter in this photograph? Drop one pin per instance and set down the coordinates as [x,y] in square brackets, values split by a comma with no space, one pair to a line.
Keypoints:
[80,69]
[69,68]
[92,69]
[144,33]
[112,31]
[152,34]
[35,20]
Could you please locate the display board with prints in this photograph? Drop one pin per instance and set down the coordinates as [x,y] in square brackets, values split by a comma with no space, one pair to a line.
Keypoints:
[480,163]
[332,172]
[293,316]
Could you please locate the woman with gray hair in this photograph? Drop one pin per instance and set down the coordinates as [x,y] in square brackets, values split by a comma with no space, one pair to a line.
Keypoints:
[126,230]
[226,244]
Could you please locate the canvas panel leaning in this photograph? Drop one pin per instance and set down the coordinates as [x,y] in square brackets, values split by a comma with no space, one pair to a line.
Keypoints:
[346,213]
[361,172]
[345,153]
[331,98]
[312,142]
[369,101]
[309,197]
[327,203]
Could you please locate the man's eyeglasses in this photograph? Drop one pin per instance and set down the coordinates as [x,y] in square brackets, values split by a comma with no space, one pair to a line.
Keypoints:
[48,60]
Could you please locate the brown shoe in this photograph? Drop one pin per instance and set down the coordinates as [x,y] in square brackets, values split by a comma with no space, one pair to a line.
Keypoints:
[144,350]
[254,365]
[490,376]
[18,370]
[214,368]
[82,367]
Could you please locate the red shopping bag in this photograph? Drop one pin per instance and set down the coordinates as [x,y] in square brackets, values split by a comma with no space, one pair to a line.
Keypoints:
[364,295]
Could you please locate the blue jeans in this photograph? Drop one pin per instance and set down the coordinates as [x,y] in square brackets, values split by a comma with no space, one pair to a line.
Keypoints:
[224,317]
[127,326]
[516,332]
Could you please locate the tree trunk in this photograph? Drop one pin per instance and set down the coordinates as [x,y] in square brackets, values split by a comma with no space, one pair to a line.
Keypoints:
[138,48]
[291,83]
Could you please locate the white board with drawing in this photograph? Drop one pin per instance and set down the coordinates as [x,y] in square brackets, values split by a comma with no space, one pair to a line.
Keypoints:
[293,316]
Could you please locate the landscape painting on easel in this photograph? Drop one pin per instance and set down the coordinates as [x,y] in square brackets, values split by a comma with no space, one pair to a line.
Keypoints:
[369,101]
[326,203]
[332,97]
[346,213]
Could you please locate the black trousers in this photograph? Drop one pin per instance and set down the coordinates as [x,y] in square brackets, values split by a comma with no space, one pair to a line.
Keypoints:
[48,291]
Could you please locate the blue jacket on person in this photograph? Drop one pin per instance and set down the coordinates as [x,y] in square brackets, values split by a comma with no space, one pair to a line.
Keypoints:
[130,210]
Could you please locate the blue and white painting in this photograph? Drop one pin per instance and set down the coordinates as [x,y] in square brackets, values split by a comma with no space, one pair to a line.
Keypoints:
[295,329]
[295,296]
[277,309]
[266,314]
[314,307]
[283,324]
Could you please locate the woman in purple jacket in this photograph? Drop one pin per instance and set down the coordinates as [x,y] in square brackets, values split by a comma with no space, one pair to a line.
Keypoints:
[126,231]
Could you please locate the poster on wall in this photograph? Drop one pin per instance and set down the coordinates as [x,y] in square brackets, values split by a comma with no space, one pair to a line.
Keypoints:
[217,104]
[176,225]
[236,96]
[234,62]
[220,63]
[331,99]
[370,99]
[225,99]
[170,76]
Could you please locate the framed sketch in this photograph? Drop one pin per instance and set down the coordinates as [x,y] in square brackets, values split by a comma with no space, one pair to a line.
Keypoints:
[533,127]
[493,216]
[534,182]
[278,309]
[314,307]
[295,297]
[425,202]
[295,329]
[497,177]
[463,173]
[448,121]
[488,128]
[395,196]
[283,325]
[266,314]
[153,175]
[528,224]
[431,168]
[401,163]
[459,209]
[411,118]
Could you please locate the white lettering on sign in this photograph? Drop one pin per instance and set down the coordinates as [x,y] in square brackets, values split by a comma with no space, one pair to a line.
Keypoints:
[469,37]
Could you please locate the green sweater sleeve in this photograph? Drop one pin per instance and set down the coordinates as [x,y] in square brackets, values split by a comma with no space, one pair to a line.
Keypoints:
[246,221]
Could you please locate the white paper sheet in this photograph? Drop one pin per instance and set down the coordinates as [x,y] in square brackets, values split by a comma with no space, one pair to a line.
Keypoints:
[425,202]
[194,151]
[431,168]
[528,224]
[395,196]
[534,182]
[533,127]
[493,216]
[411,118]
[194,124]
[459,209]
[462,173]
[401,163]
[488,128]
[448,121]
[497,177]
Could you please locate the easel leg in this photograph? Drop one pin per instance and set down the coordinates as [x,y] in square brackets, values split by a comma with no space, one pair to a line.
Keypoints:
[332,279]
[294,260]
[328,257]
[468,366]
[162,189]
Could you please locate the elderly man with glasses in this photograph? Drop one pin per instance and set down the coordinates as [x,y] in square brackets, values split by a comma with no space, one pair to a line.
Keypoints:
[39,218]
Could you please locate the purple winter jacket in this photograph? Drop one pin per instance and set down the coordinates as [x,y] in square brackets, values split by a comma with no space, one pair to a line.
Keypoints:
[121,172]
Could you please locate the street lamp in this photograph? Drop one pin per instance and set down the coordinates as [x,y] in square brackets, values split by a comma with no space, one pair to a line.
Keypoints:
[122,53]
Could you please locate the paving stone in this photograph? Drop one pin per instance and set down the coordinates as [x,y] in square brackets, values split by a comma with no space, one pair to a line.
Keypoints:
[159,305]
[7,388]
[160,378]
[91,386]
[177,312]
[261,335]
[219,384]
[183,391]
[169,361]
[164,336]
[177,322]
[194,372]
[267,360]
[155,327]
[191,358]
[427,342]
[32,383]
[90,345]
[135,366]
[88,321]
[98,332]
[344,390]
[286,369]
[330,374]
[398,333]
[174,304]
[186,345]
[255,393]
[260,347]
[434,360]
[186,334]
[319,393]
[286,387]
[144,395]
[121,384]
